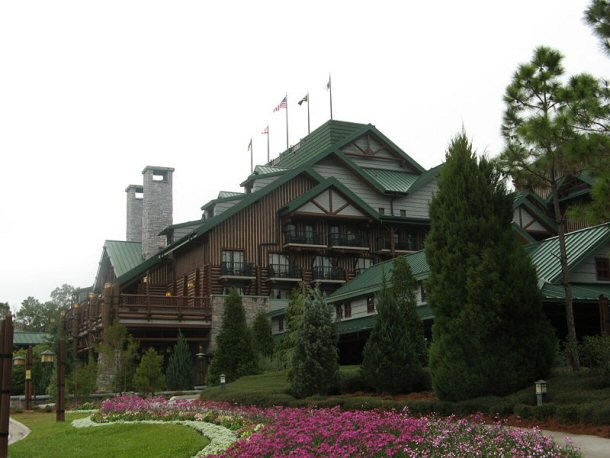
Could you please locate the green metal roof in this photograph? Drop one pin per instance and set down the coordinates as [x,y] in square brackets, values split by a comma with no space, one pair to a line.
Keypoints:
[370,280]
[261,171]
[224,196]
[24,338]
[426,178]
[392,180]
[124,256]
[331,182]
[579,245]
[581,291]
[365,323]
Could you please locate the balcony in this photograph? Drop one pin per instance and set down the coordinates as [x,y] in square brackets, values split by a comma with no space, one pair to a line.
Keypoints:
[328,274]
[356,241]
[134,309]
[305,240]
[237,271]
[408,245]
[284,272]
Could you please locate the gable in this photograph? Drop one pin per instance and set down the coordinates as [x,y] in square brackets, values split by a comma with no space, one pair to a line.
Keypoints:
[369,151]
[330,202]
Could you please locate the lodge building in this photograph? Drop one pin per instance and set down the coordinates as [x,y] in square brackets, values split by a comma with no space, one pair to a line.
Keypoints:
[324,211]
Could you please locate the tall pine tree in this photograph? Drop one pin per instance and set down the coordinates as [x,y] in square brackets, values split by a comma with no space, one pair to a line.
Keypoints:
[262,335]
[234,357]
[489,334]
[390,362]
[315,365]
[180,374]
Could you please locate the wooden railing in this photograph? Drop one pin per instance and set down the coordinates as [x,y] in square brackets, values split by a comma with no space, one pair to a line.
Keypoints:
[180,308]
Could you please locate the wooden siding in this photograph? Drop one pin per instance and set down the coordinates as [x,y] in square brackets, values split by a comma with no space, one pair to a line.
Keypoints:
[262,182]
[416,205]
[224,206]
[586,272]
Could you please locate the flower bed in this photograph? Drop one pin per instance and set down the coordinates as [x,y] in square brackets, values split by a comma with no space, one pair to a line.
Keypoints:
[300,432]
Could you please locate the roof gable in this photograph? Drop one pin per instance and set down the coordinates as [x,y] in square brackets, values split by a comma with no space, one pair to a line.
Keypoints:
[330,198]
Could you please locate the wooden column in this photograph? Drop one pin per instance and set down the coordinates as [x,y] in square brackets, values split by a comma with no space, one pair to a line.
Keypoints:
[28,379]
[60,409]
[107,307]
[6,365]
[604,315]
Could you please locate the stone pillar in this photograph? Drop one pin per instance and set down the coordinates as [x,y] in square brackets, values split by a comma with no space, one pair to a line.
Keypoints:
[157,208]
[251,304]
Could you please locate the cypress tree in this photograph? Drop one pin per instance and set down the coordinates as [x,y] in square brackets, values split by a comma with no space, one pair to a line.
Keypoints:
[294,316]
[149,373]
[262,335]
[234,356]
[180,374]
[489,334]
[390,362]
[404,286]
[315,366]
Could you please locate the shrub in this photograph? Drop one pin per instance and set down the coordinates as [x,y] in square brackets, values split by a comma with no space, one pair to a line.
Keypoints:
[149,373]
[567,414]
[595,353]
[352,383]
[180,374]
[262,335]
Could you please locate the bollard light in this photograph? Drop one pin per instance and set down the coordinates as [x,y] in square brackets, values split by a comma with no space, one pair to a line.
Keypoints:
[223,380]
[541,387]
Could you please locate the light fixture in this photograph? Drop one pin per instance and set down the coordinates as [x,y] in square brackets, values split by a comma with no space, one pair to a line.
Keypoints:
[190,284]
[541,387]
[47,356]
[223,381]
[19,361]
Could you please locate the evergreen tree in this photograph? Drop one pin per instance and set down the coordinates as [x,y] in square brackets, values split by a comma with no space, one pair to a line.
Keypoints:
[390,362]
[118,352]
[234,356]
[553,129]
[597,16]
[315,365]
[489,334]
[262,335]
[404,287]
[180,374]
[149,373]
[294,316]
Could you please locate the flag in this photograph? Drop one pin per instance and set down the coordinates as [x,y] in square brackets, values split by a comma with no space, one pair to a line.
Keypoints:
[282,104]
[250,145]
[265,130]
[328,84]
[304,99]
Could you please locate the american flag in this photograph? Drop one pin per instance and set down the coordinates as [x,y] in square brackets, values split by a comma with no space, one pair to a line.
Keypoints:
[282,104]
[265,130]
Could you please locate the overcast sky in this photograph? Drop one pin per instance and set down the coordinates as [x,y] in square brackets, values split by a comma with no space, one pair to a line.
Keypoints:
[92,92]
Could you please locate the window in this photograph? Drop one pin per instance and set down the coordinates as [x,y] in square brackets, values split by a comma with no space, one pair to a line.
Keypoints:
[280,323]
[370,304]
[339,311]
[279,293]
[347,310]
[381,211]
[233,263]
[602,268]
[422,292]
[363,264]
[279,266]
[403,213]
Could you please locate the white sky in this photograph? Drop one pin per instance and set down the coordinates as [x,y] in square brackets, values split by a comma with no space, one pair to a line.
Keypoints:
[93,91]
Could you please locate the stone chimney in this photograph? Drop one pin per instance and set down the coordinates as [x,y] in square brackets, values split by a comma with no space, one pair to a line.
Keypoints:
[135,205]
[157,208]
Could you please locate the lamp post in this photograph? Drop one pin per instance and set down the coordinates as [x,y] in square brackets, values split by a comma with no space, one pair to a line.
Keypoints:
[20,361]
[541,386]
[201,356]
[6,354]
[60,411]
[223,381]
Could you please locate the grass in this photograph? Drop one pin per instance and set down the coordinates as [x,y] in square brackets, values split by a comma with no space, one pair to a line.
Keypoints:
[49,438]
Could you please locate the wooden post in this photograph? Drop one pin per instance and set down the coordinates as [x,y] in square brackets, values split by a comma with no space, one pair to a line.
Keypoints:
[6,364]
[60,409]
[604,315]
[28,380]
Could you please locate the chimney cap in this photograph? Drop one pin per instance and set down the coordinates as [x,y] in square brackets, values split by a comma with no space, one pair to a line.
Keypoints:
[136,187]
[157,169]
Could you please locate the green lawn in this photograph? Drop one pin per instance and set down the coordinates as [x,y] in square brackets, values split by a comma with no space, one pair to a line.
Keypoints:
[51,439]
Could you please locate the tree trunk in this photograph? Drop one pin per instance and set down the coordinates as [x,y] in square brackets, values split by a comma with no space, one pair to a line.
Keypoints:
[572,343]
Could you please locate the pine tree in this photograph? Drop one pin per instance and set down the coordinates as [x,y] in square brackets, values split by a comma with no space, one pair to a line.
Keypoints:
[404,286]
[149,373]
[489,334]
[180,374]
[262,335]
[234,356]
[294,316]
[315,366]
[390,362]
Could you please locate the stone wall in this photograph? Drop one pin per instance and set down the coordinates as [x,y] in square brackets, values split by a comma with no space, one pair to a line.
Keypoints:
[158,208]
[252,305]
[135,206]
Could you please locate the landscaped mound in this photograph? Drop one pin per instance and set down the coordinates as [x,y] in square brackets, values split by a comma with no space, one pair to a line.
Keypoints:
[301,432]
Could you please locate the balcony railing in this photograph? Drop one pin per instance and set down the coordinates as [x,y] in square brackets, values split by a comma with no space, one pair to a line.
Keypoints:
[149,307]
[285,271]
[400,245]
[348,240]
[238,269]
[328,273]
[304,238]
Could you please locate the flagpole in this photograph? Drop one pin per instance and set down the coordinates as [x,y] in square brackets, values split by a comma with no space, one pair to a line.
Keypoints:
[268,159]
[251,156]
[287,144]
[330,89]
[308,125]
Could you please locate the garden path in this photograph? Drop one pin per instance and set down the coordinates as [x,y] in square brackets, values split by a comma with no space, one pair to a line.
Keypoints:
[16,431]
[590,446]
